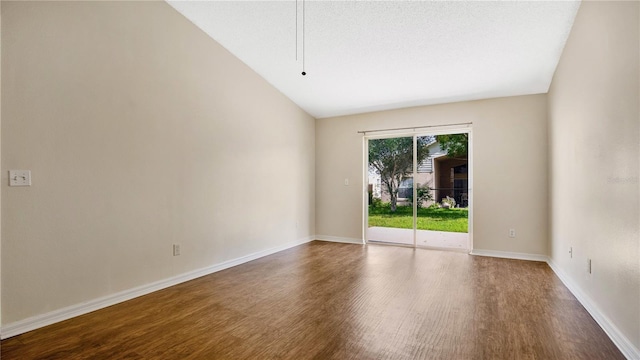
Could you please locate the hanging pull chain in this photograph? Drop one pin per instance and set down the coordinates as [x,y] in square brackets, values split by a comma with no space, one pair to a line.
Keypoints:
[303,18]
[303,21]
[296,30]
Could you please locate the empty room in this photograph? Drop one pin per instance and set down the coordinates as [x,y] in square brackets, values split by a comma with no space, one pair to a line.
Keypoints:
[304,179]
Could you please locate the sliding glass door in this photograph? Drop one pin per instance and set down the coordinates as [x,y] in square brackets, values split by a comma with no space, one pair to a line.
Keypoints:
[418,190]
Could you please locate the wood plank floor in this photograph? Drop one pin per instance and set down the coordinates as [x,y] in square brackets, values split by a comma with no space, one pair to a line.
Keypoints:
[339,301]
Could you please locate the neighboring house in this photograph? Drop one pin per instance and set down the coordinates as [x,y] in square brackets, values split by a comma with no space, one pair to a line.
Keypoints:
[446,176]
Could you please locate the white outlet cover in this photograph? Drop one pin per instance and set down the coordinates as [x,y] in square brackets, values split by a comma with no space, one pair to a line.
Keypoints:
[19,177]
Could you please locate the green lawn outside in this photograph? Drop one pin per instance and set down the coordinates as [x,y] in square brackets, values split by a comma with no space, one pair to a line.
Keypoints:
[451,220]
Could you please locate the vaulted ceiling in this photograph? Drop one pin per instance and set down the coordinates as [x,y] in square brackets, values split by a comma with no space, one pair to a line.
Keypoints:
[363,56]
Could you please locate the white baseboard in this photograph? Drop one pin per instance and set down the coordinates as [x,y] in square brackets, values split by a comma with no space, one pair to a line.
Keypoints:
[38,321]
[509,255]
[339,239]
[622,342]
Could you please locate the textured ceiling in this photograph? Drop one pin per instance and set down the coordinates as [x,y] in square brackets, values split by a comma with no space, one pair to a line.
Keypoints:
[363,56]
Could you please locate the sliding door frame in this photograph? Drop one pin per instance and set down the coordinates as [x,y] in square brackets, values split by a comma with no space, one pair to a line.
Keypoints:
[415,133]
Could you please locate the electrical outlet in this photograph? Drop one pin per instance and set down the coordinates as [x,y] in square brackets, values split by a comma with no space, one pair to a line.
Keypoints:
[589,266]
[571,252]
[346,182]
[512,233]
[176,249]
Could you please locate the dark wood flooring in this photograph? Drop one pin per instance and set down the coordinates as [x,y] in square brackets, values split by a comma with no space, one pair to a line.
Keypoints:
[339,301]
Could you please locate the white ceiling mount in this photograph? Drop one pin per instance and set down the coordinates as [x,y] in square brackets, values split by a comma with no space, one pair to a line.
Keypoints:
[363,56]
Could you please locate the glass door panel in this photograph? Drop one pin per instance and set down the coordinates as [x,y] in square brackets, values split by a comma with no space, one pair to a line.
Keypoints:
[390,174]
[443,194]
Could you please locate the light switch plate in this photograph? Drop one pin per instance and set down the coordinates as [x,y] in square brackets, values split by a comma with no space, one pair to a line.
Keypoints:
[19,177]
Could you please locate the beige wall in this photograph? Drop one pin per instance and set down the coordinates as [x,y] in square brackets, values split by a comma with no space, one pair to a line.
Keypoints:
[594,150]
[509,168]
[140,132]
